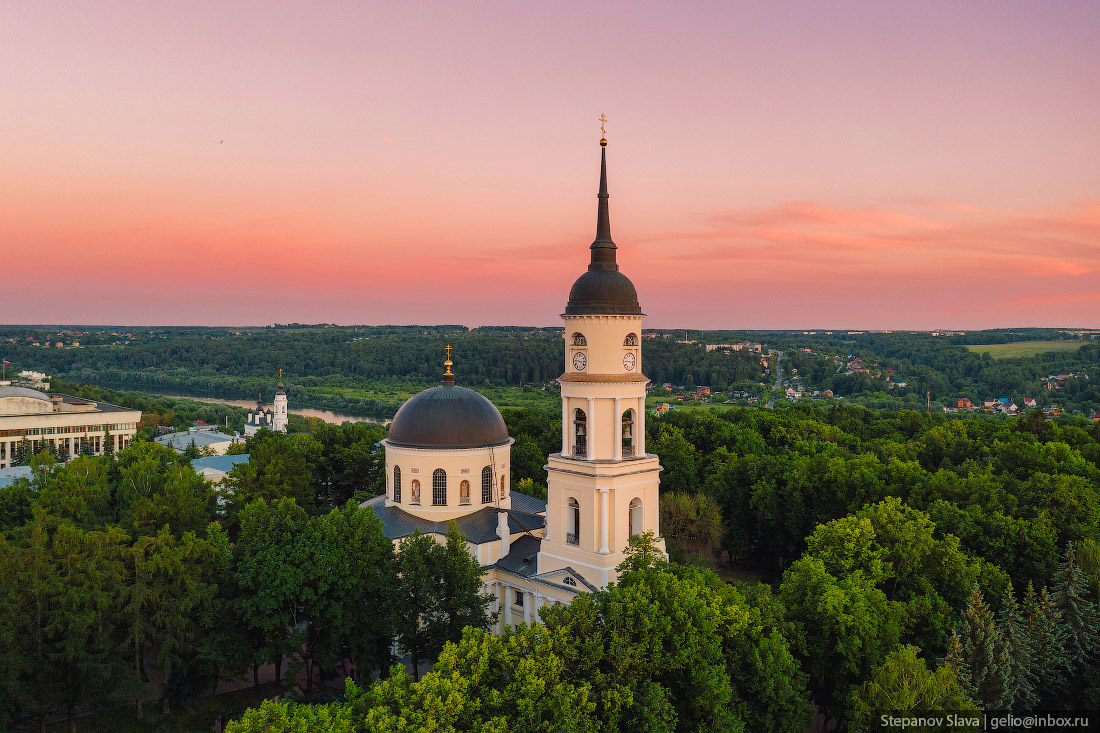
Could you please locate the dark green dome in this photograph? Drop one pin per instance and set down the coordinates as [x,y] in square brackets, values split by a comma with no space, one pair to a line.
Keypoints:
[447,416]
[602,292]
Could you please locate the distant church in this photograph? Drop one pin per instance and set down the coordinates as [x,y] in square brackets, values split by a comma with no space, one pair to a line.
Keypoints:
[276,419]
[448,451]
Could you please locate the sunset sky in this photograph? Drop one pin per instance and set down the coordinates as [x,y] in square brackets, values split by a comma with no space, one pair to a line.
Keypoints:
[771,165]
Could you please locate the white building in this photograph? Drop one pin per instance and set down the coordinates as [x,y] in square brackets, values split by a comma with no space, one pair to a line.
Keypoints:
[448,451]
[65,423]
[276,419]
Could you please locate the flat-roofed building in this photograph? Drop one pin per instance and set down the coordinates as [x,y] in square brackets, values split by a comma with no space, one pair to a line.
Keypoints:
[63,422]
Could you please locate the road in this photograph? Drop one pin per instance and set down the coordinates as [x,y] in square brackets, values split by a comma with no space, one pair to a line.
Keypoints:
[778,377]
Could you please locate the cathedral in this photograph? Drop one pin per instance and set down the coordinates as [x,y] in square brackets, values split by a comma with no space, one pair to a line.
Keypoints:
[447,457]
[276,419]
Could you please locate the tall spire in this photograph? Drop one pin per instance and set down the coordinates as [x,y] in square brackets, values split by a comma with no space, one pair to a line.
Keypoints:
[603,248]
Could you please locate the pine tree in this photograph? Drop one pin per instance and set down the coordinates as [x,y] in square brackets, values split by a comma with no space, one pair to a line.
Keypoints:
[108,444]
[1047,635]
[960,666]
[984,654]
[1022,675]
[21,453]
[1080,618]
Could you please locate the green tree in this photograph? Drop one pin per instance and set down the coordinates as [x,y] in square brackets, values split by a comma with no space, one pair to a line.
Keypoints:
[108,443]
[270,575]
[171,604]
[903,685]
[984,663]
[1022,673]
[841,627]
[1080,618]
[1047,636]
[641,552]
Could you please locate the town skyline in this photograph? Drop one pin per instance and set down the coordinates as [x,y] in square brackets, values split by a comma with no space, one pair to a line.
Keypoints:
[861,167]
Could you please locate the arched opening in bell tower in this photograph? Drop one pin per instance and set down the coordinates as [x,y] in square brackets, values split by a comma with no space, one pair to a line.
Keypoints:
[572,522]
[627,435]
[635,518]
[580,433]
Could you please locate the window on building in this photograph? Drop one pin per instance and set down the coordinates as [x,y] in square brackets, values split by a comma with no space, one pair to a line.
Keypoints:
[634,517]
[628,434]
[439,487]
[572,522]
[519,598]
[579,340]
[580,433]
[569,581]
[503,487]
[631,339]
[464,492]
[415,491]
[397,484]
[486,485]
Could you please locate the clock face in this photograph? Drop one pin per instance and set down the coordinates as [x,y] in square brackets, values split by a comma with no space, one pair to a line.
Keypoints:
[579,361]
[628,361]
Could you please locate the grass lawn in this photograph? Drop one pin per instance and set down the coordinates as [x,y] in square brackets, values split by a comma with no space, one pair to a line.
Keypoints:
[197,719]
[1024,348]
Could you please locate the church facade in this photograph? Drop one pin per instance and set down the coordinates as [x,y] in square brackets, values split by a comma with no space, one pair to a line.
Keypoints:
[448,450]
[276,419]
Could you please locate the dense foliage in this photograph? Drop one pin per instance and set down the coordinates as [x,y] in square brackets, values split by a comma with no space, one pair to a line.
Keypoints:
[120,571]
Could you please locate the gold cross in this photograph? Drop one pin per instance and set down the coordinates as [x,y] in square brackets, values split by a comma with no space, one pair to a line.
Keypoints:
[448,351]
[603,121]
[280,375]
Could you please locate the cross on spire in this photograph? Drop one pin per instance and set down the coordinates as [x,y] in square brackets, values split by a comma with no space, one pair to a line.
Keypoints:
[603,122]
[448,376]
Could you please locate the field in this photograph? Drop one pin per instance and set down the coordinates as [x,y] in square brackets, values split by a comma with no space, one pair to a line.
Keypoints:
[1020,349]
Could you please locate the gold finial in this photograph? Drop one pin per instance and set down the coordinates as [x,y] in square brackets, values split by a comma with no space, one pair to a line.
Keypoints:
[603,121]
[280,375]
[448,363]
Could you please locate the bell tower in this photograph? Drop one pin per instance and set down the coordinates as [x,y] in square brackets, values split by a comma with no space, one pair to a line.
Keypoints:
[279,417]
[603,486]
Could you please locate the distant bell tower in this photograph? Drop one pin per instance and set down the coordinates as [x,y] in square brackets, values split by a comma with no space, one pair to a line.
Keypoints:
[279,416]
[603,486]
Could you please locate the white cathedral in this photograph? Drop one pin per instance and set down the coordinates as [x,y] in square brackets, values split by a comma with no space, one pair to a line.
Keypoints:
[448,450]
[276,419]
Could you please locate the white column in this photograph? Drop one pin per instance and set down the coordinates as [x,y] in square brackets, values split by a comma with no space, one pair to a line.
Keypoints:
[497,626]
[603,522]
[566,421]
[639,429]
[528,606]
[507,605]
[591,450]
[617,428]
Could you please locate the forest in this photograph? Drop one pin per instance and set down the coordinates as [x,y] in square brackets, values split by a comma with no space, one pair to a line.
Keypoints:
[372,370]
[875,558]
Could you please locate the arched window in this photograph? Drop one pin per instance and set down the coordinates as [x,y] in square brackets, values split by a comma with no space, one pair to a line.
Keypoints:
[579,340]
[635,517]
[631,339]
[486,485]
[572,522]
[503,489]
[415,491]
[439,487]
[628,434]
[464,493]
[580,431]
[397,484]
[569,581]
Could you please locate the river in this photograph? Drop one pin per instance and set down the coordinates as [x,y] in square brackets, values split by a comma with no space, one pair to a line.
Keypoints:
[327,415]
